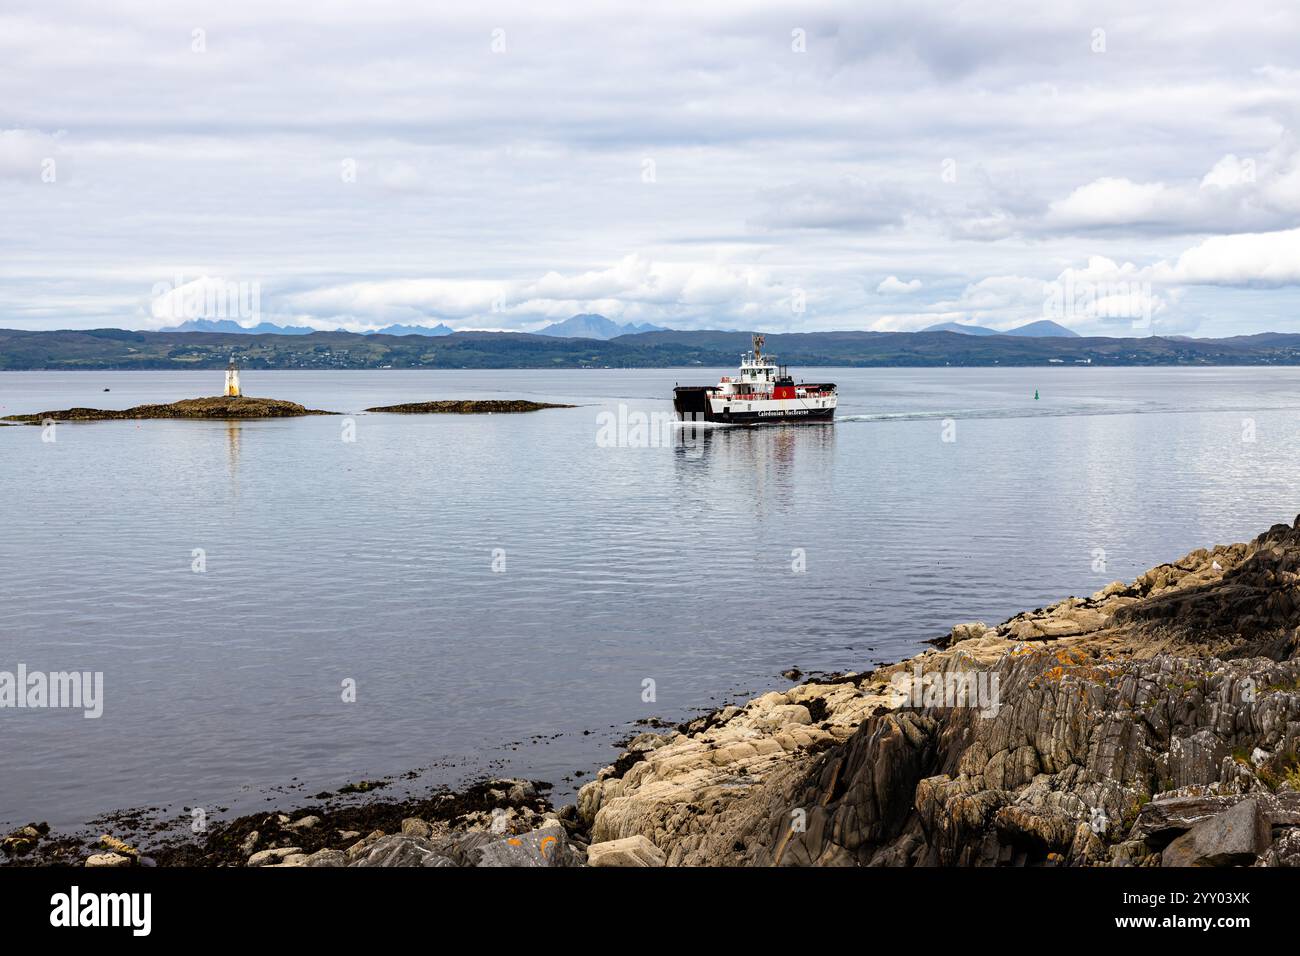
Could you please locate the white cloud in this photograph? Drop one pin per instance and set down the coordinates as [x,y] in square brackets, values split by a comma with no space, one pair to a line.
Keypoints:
[1248,259]
[896,286]
[997,297]
[1230,171]
[1237,194]
[637,279]
[1109,201]
[635,288]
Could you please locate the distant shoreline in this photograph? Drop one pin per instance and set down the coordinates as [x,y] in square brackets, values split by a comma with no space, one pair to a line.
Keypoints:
[119,350]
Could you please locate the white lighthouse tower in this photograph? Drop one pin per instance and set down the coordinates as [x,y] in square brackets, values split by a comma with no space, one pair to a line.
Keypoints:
[232,379]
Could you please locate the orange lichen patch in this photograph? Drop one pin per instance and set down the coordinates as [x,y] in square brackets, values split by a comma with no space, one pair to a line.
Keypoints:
[1076,663]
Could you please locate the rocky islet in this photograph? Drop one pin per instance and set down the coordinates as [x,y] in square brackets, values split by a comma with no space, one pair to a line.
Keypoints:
[467,407]
[226,408]
[221,408]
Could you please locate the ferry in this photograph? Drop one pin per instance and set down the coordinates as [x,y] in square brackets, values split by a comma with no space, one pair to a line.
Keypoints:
[761,393]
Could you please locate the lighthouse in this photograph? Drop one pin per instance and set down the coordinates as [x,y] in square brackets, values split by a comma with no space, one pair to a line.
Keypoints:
[232,379]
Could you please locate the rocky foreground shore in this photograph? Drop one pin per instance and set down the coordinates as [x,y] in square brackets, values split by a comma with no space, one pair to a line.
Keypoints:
[1152,724]
[1155,723]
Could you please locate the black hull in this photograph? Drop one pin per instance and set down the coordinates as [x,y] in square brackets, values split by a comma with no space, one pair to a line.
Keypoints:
[692,405]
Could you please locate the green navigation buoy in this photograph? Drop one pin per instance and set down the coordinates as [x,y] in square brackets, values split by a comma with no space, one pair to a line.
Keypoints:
[1035,394]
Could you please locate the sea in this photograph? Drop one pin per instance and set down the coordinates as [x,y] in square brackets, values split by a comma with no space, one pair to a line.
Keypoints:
[280,608]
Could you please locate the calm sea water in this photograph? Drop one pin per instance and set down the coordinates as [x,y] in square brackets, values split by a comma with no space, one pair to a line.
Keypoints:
[373,560]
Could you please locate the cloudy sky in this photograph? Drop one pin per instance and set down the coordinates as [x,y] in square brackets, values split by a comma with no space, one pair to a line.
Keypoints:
[699,165]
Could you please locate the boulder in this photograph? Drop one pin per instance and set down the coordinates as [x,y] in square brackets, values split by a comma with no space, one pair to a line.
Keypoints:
[466,848]
[1175,816]
[109,860]
[326,858]
[544,847]
[1235,837]
[24,839]
[646,742]
[360,847]
[965,632]
[1166,817]
[783,715]
[414,826]
[1110,590]
[1062,627]
[17,846]
[630,851]
[304,823]
[519,790]
[1285,851]
[273,855]
[400,850]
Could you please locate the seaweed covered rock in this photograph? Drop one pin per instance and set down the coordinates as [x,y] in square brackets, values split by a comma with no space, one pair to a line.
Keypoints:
[466,407]
[218,407]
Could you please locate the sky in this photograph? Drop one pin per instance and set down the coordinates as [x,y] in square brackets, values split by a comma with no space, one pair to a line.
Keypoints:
[1123,169]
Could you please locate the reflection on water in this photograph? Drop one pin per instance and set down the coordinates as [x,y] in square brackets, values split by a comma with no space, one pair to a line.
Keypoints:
[754,443]
[755,464]
[233,429]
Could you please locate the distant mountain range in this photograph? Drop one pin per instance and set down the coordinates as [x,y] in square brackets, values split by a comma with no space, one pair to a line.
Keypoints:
[588,325]
[266,328]
[584,326]
[1042,329]
[433,331]
[123,349]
